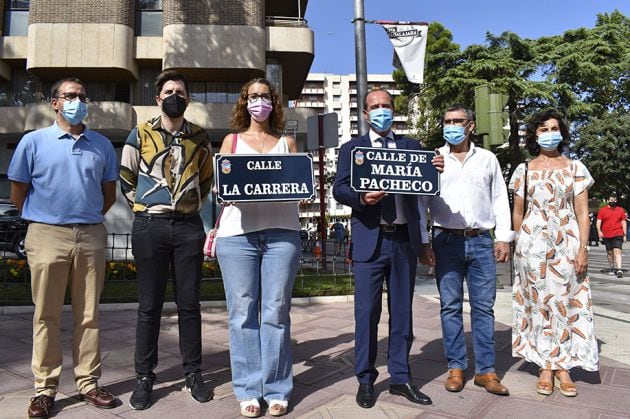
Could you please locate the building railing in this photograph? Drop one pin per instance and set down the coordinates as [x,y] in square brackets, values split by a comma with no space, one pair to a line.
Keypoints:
[286,21]
[120,266]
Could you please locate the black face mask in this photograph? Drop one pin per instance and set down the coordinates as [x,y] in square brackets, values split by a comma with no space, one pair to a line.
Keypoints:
[174,106]
[612,204]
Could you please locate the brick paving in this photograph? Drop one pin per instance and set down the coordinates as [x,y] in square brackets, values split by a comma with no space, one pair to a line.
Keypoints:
[325,386]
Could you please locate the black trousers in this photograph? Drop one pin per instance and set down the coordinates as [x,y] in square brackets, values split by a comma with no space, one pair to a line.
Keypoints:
[163,248]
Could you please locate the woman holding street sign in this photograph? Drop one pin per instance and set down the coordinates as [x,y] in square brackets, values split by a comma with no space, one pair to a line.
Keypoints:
[258,249]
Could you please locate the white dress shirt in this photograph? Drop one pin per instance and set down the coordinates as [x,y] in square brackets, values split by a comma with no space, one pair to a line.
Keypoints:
[473,194]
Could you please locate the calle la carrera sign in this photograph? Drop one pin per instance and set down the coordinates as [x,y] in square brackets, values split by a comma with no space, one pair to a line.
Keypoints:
[263,177]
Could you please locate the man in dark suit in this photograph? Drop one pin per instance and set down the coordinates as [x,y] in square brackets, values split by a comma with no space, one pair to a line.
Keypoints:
[388,233]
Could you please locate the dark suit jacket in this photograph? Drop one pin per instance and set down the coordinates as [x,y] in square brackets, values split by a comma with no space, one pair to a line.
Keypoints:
[367,218]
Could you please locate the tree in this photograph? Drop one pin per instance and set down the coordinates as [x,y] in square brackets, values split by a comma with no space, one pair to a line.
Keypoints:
[584,72]
[604,147]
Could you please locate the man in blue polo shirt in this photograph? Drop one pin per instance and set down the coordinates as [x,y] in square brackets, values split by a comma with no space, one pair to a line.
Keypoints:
[63,179]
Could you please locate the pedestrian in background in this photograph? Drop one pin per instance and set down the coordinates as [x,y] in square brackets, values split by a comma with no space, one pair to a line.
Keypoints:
[258,248]
[612,228]
[339,233]
[63,180]
[473,200]
[166,176]
[553,317]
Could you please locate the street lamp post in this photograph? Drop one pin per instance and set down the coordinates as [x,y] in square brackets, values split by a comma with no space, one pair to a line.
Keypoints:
[361,62]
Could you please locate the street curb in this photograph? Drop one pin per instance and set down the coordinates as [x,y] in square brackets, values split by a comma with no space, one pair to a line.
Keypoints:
[170,305]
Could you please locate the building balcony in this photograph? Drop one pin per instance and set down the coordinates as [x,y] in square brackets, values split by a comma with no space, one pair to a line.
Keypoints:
[215,52]
[102,51]
[293,48]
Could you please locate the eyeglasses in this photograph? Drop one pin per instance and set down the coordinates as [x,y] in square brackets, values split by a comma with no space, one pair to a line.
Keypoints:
[253,97]
[70,96]
[456,121]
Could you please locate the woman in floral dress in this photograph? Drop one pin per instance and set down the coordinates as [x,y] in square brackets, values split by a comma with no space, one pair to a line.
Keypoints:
[553,315]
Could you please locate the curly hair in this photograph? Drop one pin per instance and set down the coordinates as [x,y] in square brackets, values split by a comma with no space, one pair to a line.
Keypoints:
[535,121]
[240,116]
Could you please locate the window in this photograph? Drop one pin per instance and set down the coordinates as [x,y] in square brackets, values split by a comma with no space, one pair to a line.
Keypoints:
[211,92]
[24,88]
[145,86]
[16,18]
[149,18]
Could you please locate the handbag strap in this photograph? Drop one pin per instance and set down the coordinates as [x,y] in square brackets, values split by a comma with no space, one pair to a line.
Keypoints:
[525,193]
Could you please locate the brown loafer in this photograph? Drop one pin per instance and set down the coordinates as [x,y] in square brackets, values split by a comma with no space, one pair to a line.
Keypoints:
[100,398]
[40,406]
[491,383]
[455,380]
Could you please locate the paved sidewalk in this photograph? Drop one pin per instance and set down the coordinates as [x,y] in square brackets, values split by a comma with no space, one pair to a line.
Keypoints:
[324,381]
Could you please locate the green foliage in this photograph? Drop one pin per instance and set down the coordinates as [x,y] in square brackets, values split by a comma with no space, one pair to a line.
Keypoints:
[604,147]
[584,72]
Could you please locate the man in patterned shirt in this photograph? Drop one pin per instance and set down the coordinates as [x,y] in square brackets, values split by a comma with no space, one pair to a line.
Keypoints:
[166,175]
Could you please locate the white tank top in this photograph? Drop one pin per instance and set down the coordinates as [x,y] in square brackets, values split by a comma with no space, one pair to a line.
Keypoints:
[247,217]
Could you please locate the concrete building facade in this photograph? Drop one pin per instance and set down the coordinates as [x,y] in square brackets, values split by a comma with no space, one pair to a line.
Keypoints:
[117,47]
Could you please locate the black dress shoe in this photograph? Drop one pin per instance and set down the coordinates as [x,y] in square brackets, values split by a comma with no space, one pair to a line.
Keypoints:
[410,392]
[365,396]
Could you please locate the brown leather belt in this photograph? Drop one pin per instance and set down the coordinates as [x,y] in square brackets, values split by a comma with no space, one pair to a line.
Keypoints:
[466,232]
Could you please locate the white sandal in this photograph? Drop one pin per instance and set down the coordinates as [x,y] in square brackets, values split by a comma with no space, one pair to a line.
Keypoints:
[250,408]
[278,407]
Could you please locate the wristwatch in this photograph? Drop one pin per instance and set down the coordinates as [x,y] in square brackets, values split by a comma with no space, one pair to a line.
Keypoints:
[586,247]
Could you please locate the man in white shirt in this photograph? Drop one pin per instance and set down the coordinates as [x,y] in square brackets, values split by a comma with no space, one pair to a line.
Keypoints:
[473,200]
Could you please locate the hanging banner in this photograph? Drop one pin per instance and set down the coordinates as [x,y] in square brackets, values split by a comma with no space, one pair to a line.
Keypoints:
[410,44]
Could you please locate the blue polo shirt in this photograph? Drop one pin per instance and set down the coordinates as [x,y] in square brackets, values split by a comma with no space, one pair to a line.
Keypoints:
[65,175]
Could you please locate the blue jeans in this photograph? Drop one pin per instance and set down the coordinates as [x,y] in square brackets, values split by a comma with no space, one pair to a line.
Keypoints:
[459,257]
[259,270]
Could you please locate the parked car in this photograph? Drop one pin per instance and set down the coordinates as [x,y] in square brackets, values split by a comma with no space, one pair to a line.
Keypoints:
[12,229]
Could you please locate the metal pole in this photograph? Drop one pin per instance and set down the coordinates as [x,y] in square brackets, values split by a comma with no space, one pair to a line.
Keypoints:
[361,63]
[322,190]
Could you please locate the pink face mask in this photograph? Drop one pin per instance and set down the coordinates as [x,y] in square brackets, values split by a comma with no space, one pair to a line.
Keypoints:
[260,109]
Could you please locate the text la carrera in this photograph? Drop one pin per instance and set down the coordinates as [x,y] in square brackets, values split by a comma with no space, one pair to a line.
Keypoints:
[266,189]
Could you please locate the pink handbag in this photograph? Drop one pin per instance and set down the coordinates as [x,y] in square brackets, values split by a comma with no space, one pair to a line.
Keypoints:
[209,246]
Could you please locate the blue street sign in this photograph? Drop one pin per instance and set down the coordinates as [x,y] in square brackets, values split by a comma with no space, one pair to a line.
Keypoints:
[394,170]
[263,177]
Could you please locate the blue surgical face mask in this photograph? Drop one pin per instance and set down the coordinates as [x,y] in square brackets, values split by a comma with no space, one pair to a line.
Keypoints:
[74,111]
[549,141]
[381,119]
[454,134]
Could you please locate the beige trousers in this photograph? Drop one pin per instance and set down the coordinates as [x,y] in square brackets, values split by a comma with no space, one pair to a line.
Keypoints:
[58,255]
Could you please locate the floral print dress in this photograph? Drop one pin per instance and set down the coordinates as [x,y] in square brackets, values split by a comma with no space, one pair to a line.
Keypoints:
[552,307]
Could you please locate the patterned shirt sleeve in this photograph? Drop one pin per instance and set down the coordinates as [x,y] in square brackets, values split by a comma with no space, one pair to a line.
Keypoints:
[129,166]
[206,172]
[583,178]
[517,182]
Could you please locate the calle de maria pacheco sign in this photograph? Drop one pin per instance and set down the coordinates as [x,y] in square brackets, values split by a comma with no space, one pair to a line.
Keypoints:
[394,170]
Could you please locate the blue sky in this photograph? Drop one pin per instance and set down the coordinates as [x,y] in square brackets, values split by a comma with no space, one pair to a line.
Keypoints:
[468,20]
